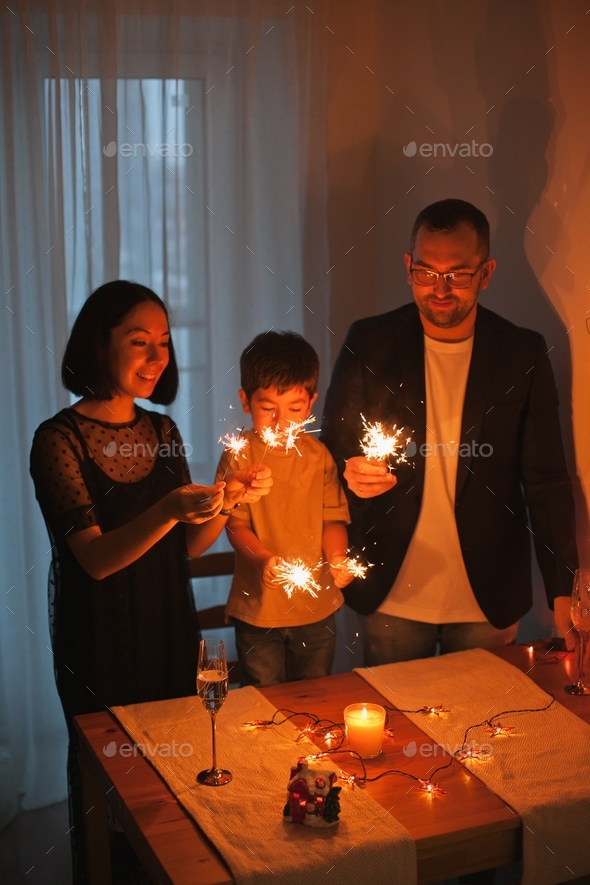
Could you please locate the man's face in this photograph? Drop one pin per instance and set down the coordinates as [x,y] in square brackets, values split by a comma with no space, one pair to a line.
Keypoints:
[442,306]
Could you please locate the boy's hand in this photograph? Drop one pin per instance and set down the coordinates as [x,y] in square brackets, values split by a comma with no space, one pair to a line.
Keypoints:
[367,479]
[247,486]
[340,574]
[268,573]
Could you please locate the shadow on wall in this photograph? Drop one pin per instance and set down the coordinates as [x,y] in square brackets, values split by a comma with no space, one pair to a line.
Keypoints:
[519,172]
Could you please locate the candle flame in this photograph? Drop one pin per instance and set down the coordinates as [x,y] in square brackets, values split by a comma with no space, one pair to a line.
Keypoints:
[296,575]
[379,445]
[364,713]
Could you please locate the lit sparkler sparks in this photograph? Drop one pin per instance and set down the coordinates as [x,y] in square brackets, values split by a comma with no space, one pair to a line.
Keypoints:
[287,437]
[292,432]
[379,445]
[355,567]
[234,443]
[271,436]
[296,575]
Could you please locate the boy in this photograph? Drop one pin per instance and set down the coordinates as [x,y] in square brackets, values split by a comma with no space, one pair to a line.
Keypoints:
[278,638]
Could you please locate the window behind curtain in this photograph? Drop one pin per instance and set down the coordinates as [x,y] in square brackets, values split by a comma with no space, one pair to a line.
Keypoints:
[161,206]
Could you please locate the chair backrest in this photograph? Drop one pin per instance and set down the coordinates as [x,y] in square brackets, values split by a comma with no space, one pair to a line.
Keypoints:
[214,565]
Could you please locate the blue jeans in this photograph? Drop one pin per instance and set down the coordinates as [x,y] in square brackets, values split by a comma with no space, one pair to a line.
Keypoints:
[388,639]
[284,654]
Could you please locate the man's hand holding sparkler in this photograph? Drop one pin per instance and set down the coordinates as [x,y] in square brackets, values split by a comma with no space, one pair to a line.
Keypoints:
[368,478]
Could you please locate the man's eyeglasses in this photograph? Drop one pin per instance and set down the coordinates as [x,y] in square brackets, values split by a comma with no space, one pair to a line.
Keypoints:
[456,280]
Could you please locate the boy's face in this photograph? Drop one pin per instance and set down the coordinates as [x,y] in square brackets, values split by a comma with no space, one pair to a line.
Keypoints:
[268,407]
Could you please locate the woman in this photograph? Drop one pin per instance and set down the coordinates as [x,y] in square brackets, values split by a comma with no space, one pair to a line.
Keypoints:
[123,519]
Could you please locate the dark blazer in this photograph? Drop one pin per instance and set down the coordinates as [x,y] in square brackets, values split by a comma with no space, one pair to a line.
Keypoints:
[520,492]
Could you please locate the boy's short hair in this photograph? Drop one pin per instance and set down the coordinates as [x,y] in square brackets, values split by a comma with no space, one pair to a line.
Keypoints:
[279,359]
[448,215]
[86,365]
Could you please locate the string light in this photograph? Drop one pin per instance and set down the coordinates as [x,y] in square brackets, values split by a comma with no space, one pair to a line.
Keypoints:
[499,730]
[296,575]
[434,711]
[379,445]
[328,730]
[472,753]
[430,788]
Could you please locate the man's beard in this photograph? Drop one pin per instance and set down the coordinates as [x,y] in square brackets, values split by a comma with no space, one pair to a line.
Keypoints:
[445,318]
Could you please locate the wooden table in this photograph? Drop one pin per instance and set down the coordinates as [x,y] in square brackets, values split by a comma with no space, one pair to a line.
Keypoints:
[472,829]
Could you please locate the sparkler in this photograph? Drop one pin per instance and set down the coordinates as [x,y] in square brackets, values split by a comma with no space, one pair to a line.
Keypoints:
[355,567]
[296,575]
[234,444]
[379,445]
[292,432]
[287,437]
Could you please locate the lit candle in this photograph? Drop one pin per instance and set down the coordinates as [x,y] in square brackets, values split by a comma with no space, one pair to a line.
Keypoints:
[364,728]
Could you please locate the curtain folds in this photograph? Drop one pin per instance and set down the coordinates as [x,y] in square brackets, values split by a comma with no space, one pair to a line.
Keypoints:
[179,144]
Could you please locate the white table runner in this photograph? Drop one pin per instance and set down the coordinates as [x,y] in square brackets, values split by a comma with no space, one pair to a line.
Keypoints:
[541,769]
[244,818]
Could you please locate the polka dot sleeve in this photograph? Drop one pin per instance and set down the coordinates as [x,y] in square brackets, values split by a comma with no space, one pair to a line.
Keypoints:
[171,435]
[59,484]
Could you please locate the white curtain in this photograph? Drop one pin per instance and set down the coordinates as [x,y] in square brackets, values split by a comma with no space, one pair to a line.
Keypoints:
[179,144]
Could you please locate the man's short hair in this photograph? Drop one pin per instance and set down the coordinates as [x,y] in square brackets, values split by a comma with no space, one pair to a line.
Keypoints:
[279,359]
[86,365]
[448,215]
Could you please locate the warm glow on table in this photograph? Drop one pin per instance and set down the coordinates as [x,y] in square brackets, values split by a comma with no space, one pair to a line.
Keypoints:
[364,728]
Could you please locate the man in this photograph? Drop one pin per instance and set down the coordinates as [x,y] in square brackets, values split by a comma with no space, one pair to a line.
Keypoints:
[449,532]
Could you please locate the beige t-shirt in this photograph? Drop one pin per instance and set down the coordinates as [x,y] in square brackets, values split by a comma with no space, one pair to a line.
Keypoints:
[289,522]
[432,585]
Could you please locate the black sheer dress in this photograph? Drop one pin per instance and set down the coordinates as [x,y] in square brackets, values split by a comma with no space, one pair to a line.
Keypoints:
[132,636]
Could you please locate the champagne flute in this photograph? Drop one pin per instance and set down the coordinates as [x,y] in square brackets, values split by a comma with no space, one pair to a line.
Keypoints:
[581,622]
[212,683]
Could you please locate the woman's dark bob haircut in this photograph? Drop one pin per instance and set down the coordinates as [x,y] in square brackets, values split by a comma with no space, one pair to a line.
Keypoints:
[86,366]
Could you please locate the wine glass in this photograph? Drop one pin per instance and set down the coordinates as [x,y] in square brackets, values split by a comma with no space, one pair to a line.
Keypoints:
[581,622]
[212,683]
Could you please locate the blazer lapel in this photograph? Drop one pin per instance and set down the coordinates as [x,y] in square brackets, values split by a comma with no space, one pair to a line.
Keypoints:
[410,347]
[486,347]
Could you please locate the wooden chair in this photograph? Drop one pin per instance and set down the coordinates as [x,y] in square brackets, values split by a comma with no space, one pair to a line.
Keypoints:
[214,565]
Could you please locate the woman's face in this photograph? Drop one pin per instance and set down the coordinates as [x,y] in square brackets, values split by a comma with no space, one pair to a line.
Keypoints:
[139,350]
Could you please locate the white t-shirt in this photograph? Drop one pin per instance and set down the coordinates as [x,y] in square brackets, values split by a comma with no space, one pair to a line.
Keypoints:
[432,585]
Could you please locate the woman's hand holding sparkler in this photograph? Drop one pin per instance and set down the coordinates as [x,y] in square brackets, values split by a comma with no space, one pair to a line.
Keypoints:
[246,486]
[194,503]
[368,478]
[341,574]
